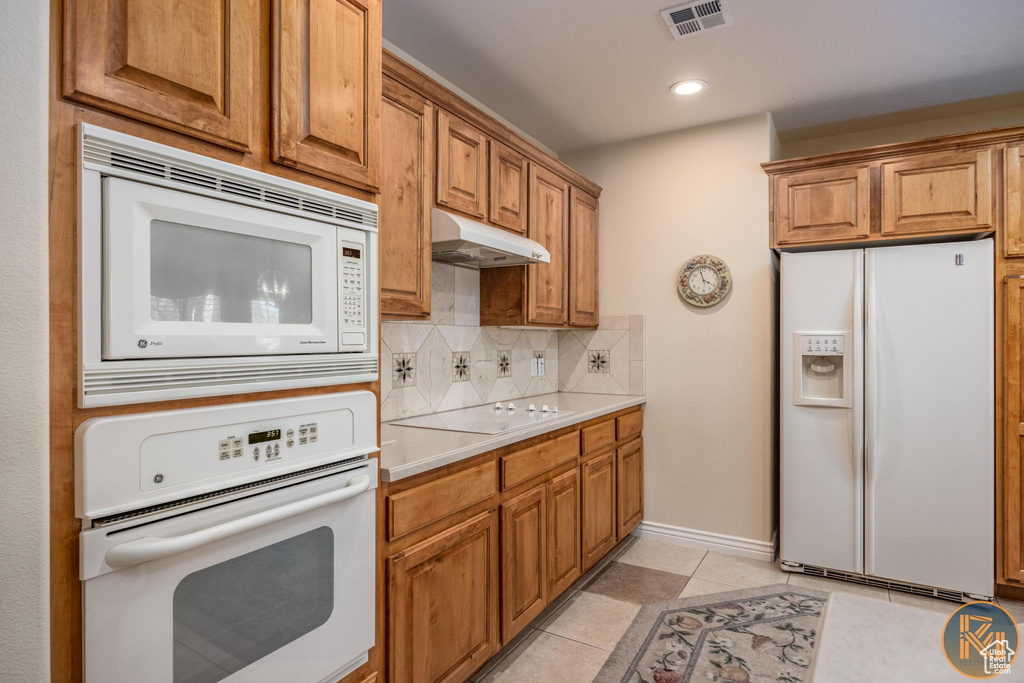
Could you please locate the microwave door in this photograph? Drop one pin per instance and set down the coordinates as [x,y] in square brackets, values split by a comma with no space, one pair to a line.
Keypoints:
[190,276]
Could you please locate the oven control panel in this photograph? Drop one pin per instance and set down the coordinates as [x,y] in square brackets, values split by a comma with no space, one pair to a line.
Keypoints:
[266,444]
[190,455]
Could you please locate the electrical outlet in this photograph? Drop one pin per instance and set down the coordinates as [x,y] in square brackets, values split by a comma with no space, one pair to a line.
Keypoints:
[540,366]
[537,366]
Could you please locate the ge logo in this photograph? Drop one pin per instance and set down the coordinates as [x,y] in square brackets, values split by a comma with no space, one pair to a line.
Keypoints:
[143,343]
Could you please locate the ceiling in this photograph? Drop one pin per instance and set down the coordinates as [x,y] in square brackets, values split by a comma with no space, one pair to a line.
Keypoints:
[579,73]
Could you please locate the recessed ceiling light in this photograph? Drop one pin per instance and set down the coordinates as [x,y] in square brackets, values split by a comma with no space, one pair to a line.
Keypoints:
[691,87]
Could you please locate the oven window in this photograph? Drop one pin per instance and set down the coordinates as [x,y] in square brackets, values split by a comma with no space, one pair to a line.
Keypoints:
[212,276]
[231,614]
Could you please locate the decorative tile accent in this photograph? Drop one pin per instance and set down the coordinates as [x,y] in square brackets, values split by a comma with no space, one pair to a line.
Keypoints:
[427,376]
[460,366]
[599,360]
[403,370]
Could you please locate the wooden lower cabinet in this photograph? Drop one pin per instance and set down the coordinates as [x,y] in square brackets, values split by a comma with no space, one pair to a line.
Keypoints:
[564,561]
[599,530]
[476,552]
[524,584]
[443,604]
[629,468]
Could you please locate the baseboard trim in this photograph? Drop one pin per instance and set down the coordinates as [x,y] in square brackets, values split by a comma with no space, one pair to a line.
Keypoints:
[707,540]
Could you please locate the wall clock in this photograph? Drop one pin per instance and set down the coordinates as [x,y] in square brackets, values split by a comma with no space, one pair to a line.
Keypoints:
[704,280]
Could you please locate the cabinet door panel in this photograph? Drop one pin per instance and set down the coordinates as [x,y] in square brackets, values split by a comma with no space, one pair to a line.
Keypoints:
[443,604]
[186,65]
[461,165]
[828,205]
[564,562]
[583,279]
[1013,163]
[523,560]
[599,527]
[937,192]
[407,149]
[507,188]
[629,469]
[548,283]
[1013,419]
[327,88]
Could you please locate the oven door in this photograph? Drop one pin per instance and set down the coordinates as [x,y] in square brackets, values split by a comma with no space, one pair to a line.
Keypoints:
[189,276]
[275,587]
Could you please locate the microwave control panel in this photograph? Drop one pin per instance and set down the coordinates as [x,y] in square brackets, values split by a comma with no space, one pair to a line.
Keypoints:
[352,294]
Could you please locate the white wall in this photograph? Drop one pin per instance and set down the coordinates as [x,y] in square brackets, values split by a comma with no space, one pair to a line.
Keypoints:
[412,61]
[24,350]
[708,432]
[898,127]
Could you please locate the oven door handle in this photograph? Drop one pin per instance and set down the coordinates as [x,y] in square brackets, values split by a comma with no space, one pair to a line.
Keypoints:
[150,548]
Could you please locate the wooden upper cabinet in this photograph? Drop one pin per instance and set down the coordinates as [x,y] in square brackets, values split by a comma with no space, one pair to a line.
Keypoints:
[938,192]
[1012,514]
[583,273]
[1013,183]
[598,508]
[327,88]
[827,205]
[629,468]
[524,579]
[564,561]
[186,65]
[507,188]
[461,166]
[548,283]
[443,604]
[407,156]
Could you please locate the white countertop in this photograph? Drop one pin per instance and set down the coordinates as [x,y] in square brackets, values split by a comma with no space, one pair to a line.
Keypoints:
[407,451]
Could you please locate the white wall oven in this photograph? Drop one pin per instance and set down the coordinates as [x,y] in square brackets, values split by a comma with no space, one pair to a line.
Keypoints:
[200,277]
[233,543]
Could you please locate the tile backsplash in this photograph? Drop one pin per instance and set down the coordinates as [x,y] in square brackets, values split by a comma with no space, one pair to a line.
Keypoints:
[451,362]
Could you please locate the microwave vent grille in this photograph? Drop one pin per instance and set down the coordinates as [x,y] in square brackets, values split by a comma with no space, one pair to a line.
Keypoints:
[111,156]
[113,384]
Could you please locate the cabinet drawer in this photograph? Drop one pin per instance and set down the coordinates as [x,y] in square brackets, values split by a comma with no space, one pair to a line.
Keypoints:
[416,508]
[631,424]
[529,462]
[596,437]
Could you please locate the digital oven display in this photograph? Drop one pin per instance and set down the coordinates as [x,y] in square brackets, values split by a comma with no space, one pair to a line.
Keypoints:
[260,437]
[350,252]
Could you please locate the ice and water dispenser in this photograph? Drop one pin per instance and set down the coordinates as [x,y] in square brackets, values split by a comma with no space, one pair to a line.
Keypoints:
[822,369]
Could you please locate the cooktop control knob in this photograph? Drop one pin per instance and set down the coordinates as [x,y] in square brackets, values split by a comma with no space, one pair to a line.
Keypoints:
[545,409]
[532,408]
[497,406]
[511,407]
[555,411]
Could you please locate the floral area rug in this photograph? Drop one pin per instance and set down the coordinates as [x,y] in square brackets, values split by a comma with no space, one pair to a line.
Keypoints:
[755,635]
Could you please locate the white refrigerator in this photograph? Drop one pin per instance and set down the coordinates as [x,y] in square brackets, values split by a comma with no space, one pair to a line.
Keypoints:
[887,414]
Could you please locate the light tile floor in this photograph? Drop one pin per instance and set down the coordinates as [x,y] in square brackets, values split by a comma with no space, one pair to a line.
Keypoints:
[573,637]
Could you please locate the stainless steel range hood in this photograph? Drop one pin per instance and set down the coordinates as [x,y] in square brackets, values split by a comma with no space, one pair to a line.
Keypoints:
[457,239]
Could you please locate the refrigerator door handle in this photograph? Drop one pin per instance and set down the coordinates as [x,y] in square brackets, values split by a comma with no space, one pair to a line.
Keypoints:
[871,407]
[857,416]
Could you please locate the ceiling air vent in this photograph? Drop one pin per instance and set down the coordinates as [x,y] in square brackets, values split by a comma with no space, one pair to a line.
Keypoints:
[692,18]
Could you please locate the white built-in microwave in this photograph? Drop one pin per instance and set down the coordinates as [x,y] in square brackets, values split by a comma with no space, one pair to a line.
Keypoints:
[199,277]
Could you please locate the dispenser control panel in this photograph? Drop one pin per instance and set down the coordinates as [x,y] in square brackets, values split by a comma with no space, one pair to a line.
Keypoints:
[822,345]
